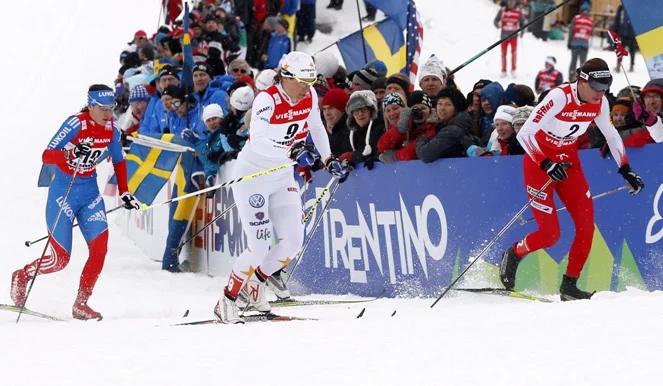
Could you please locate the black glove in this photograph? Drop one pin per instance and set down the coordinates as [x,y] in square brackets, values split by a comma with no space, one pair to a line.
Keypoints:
[340,170]
[80,150]
[303,153]
[209,182]
[555,169]
[227,156]
[129,201]
[632,178]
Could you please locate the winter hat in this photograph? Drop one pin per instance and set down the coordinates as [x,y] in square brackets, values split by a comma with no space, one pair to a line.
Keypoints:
[359,99]
[625,93]
[283,22]
[393,98]
[655,86]
[379,83]
[434,66]
[505,113]
[326,63]
[481,83]
[401,80]
[365,77]
[585,7]
[139,93]
[211,111]
[336,98]
[202,66]
[265,79]
[378,67]
[170,91]
[456,97]
[519,94]
[419,97]
[551,60]
[242,98]
[167,70]
[493,92]
[521,114]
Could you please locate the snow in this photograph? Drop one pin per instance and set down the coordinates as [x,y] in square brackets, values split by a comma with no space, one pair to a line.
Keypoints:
[467,339]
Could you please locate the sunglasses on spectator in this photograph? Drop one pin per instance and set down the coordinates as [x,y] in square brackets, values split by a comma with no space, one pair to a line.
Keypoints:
[240,70]
[176,103]
[141,38]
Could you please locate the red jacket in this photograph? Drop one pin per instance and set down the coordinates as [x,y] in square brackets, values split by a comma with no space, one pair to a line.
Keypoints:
[406,148]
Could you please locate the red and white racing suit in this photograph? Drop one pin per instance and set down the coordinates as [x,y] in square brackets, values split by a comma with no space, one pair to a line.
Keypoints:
[551,132]
[270,206]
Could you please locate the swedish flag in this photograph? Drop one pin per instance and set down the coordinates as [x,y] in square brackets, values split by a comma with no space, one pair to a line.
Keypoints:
[384,41]
[647,20]
[149,169]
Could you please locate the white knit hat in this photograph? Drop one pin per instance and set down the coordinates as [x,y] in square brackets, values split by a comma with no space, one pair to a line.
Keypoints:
[265,79]
[211,111]
[505,113]
[434,66]
[242,98]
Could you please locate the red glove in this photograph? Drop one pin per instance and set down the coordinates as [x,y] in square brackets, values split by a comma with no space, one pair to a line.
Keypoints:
[305,173]
[347,156]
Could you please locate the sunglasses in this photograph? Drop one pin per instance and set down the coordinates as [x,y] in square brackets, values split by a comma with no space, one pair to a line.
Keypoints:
[240,70]
[176,103]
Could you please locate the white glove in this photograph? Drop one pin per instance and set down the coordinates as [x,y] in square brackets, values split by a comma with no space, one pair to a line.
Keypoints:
[129,201]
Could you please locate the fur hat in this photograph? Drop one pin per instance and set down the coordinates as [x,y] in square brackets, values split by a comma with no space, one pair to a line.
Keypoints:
[336,98]
[456,97]
[505,113]
[359,99]
[434,66]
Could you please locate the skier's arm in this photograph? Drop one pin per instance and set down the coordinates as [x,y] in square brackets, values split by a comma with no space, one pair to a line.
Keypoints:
[119,164]
[317,129]
[261,112]
[54,153]
[543,116]
[611,135]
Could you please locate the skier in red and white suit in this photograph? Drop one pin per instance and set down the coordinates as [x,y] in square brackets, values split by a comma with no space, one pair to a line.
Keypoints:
[270,207]
[550,138]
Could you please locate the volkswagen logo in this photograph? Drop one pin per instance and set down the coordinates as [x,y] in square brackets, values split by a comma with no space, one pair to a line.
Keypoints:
[257,200]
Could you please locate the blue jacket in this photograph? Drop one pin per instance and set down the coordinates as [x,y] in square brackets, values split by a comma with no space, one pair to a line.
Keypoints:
[494,93]
[209,151]
[279,45]
[212,94]
[155,118]
[290,7]
[191,120]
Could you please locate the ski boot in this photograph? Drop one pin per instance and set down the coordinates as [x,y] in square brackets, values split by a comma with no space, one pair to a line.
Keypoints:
[81,310]
[19,286]
[252,296]
[226,310]
[278,286]
[569,290]
[508,268]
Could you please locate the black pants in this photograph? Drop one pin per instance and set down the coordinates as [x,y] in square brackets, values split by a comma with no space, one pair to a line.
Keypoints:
[306,21]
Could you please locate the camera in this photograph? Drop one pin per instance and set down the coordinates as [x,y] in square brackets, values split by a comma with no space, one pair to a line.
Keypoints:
[417,113]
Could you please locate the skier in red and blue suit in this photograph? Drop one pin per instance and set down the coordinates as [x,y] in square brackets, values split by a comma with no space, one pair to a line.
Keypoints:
[74,151]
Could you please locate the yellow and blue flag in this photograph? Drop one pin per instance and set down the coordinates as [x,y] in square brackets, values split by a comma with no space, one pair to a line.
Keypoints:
[384,41]
[647,20]
[395,9]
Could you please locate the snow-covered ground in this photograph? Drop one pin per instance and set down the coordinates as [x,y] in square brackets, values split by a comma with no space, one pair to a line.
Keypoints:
[54,50]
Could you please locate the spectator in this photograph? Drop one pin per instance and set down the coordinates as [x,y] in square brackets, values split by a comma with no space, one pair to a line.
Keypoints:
[335,118]
[451,133]
[279,44]
[505,142]
[138,100]
[238,68]
[649,115]
[306,21]
[215,151]
[363,79]
[520,116]
[549,77]
[204,93]
[377,67]
[518,95]
[618,113]
[185,117]
[379,89]
[433,77]
[235,126]
[140,41]
[399,83]
[365,129]
[215,32]
[399,142]
[474,103]
[491,95]
[155,120]
[508,20]
[580,31]
[622,26]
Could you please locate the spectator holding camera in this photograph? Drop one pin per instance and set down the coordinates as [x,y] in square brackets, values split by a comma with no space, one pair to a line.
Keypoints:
[649,113]
[399,143]
[365,126]
[453,130]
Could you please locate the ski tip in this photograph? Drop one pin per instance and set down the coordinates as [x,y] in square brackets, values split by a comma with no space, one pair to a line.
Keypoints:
[186,313]
[393,313]
[361,313]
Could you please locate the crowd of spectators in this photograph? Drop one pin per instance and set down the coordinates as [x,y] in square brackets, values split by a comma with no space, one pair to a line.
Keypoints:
[370,115]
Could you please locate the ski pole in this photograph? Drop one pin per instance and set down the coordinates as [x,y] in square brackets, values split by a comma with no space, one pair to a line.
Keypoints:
[514,33]
[611,191]
[222,185]
[29,243]
[315,224]
[490,244]
[50,235]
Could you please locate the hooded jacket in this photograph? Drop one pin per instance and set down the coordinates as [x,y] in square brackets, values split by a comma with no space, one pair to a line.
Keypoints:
[448,141]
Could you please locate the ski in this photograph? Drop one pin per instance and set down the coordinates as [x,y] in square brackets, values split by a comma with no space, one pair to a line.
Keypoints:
[26,311]
[267,317]
[316,302]
[506,292]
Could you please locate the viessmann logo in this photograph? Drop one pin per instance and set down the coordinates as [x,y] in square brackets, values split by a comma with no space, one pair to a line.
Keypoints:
[575,114]
[293,113]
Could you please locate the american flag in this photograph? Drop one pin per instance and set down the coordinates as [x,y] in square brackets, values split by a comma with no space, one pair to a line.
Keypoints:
[415,38]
